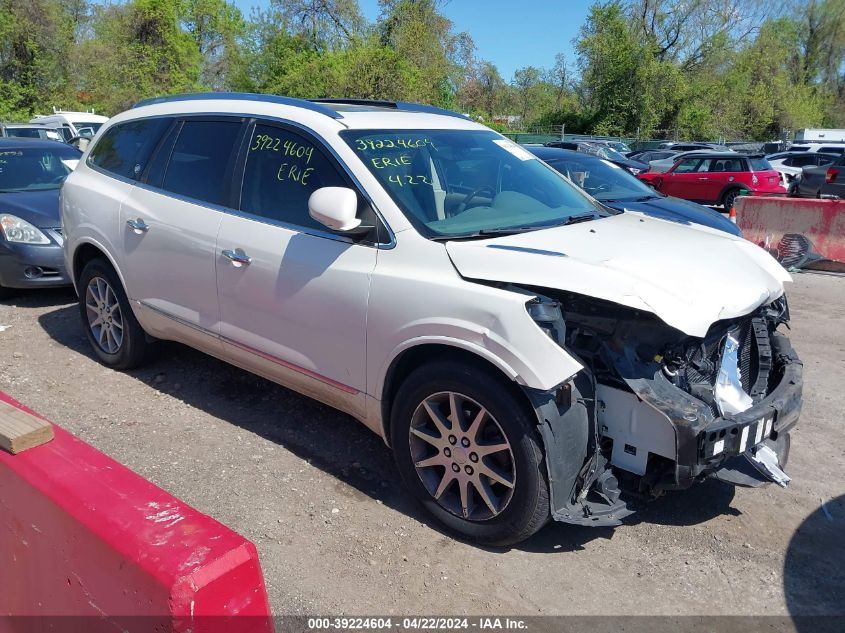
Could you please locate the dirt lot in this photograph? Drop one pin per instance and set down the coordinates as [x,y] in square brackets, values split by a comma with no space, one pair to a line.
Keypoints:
[318,494]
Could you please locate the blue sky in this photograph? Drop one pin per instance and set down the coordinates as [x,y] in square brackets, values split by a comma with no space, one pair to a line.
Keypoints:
[510,33]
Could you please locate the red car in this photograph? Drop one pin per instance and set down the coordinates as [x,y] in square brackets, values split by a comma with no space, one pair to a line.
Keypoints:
[716,178]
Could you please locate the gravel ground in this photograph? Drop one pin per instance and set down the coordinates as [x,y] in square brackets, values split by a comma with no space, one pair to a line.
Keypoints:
[319,495]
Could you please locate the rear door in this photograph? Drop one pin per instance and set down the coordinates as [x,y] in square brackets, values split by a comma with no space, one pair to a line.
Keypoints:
[724,173]
[170,223]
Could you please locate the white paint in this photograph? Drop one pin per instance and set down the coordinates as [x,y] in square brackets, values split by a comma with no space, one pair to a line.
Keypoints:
[628,420]
[718,447]
[743,439]
[689,276]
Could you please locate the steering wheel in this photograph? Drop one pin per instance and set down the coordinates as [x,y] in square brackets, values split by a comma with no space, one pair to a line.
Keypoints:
[602,187]
[468,198]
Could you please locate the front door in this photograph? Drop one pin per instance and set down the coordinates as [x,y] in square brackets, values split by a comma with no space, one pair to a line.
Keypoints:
[293,295]
[688,180]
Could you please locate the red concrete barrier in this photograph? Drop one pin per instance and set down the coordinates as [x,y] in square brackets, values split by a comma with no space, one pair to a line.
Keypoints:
[798,232]
[81,535]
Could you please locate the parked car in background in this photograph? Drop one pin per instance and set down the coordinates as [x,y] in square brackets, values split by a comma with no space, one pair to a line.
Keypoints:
[717,178]
[616,188]
[602,151]
[665,164]
[499,328]
[31,173]
[29,130]
[683,147]
[648,155]
[790,164]
[825,148]
[820,181]
[619,146]
[72,124]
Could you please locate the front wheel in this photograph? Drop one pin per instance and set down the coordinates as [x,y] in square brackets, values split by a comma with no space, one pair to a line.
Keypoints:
[113,331]
[468,450]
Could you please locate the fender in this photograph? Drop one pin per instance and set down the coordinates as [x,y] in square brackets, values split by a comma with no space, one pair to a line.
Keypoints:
[480,341]
[731,185]
[71,256]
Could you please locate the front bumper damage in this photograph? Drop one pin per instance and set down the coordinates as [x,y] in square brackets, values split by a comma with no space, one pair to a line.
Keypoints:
[624,427]
[704,443]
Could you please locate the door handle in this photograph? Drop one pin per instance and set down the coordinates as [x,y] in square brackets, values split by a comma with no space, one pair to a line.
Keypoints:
[237,257]
[139,226]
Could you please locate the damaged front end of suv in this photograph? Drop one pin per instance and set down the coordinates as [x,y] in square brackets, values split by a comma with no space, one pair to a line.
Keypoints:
[655,409]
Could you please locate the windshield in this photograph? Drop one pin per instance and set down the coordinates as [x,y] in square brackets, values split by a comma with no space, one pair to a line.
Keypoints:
[610,154]
[35,169]
[466,182]
[603,180]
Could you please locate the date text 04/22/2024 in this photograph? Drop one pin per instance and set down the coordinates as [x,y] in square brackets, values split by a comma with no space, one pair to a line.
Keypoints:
[416,623]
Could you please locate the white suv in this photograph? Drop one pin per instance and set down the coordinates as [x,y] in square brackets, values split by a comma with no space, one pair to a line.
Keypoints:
[525,351]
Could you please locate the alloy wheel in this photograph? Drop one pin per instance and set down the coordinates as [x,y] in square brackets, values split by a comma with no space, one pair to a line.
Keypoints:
[462,456]
[104,316]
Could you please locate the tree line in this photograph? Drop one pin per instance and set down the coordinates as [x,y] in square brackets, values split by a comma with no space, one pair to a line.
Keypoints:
[692,69]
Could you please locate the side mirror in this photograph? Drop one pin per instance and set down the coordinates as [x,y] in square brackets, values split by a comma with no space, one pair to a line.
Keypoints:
[335,207]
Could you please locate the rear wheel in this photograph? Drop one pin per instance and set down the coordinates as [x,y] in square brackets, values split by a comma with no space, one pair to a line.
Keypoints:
[468,451]
[112,329]
[729,199]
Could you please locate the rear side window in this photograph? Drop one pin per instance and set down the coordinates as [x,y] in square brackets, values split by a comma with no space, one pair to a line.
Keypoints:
[760,164]
[201,160]
[125,148]
[803,161]
[832,149]
[727,165]
[282,170]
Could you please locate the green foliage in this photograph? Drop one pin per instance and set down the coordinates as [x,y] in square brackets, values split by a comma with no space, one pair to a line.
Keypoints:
[705,69]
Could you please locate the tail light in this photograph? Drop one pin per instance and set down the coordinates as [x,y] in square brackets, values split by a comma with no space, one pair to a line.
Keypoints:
[754,179]
[831,174]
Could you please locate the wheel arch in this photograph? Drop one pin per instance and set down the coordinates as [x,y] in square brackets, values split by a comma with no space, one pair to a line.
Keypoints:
[412,357]
[86,251]
[733,186]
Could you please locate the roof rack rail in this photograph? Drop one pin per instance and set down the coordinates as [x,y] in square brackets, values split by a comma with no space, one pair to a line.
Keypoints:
[242,96]
[405,106]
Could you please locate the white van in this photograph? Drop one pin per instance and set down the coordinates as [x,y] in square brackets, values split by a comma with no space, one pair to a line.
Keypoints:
[72,124]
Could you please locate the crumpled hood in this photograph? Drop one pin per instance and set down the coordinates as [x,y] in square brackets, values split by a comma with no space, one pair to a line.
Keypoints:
[39,208]
[690,277]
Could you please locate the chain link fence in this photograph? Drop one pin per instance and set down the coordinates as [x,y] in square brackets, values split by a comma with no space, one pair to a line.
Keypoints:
[548,135]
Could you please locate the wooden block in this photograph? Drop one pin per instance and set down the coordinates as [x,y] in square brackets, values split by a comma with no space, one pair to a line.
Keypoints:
[20,430]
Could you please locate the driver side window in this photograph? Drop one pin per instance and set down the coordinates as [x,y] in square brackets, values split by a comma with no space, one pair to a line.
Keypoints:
[282,170]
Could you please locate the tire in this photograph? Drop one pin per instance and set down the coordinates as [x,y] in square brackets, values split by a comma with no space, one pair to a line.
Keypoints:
[728,199]
[119,341]
[507,514]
